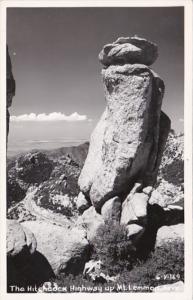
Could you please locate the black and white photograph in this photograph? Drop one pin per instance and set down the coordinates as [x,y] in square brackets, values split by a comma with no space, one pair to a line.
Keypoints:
[95,119]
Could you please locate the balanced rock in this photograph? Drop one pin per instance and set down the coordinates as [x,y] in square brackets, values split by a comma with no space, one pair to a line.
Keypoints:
[127,143]
[65,249]
[129,50]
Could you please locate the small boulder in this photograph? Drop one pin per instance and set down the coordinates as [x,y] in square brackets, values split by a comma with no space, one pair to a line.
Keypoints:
[82,203]
[167,194]
[135,232]
[167,234]
[91,221]
[111,210]
[148,190]
[134,209]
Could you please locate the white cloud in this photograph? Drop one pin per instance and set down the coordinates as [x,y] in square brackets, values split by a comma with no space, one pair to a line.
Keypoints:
[181,120]
[55,116]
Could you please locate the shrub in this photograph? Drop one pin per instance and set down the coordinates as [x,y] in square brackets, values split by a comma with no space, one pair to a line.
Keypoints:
[112,247]
[165,265]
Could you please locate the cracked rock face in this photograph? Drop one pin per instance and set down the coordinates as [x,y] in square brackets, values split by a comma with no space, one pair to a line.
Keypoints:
[126,145]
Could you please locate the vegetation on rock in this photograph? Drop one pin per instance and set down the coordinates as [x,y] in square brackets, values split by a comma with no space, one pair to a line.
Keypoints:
[164,266]
[113,247]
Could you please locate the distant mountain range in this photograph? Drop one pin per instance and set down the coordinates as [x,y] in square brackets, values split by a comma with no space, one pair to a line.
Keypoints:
[77,153]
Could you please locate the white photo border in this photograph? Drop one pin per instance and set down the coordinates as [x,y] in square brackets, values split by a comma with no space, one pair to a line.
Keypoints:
[188,71]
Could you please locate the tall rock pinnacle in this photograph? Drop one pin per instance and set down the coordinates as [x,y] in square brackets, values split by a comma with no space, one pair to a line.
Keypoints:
[127,143]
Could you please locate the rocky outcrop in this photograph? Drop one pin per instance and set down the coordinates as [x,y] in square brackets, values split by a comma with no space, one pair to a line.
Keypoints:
[170,183]
[56,180]
[127,143]
[27,169]
[34,167]
[66,250]
[119,176]
[10,86]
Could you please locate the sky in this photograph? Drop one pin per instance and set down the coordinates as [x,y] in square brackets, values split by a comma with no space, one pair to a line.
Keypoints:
[54,53]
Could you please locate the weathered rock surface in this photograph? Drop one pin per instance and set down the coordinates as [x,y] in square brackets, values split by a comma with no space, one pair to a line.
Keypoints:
[91,221]
[111,210]
[19,239]
[25,265]
[169,234]
[129,50]
[128,141]
[170,188]
[65,249]
[134,209]
[166,194]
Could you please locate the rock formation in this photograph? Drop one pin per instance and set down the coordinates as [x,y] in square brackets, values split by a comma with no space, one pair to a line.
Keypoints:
[10,86]
[66,250]
[169,234]
[127,143]
[57,228]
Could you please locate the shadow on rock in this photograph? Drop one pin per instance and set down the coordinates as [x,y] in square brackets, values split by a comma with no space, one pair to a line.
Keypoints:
[28,276]
[76,265]
[156,218]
